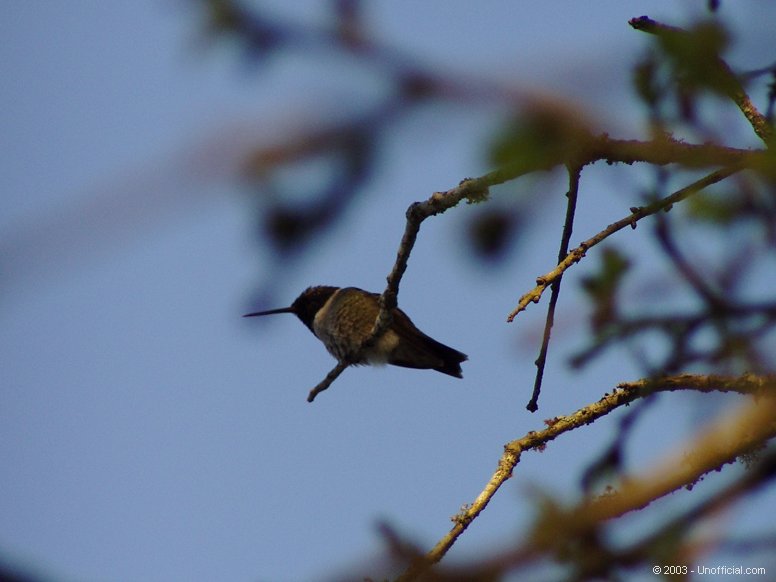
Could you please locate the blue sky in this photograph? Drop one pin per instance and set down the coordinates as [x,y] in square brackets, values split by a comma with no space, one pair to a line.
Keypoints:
[147,431]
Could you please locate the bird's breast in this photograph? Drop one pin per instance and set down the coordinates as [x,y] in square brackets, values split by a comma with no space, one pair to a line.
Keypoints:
[345,321]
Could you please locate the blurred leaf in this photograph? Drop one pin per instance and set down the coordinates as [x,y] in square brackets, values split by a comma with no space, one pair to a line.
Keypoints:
[305,184]
[222,15]
[712,208]
[540,140]
[492,232]
[767,167]
[604,471]
[645,81]
[230,17]
[695,57]
[349,21]
[288,228]
[753,202]
[603,287]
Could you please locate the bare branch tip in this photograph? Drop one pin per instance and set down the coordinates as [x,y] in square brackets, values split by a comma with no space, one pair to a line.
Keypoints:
[328,380]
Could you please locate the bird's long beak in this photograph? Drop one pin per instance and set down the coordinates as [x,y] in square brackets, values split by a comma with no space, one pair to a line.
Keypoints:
[270,312]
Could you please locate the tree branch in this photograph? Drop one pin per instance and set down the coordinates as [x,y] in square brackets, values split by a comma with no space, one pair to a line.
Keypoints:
[637,494]
[471,189]
[327,381]
[660,151]
[665,150]
[719,443]
[474,190]
[637,213]
[568,228]
[599,561]
[734,88]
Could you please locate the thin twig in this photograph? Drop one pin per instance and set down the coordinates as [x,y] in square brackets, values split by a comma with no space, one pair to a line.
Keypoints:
[637,213]
[326,382]
[568,227]
[472,189]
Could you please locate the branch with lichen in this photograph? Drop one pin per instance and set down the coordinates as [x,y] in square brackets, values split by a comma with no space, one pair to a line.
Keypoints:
[637,213]
[599,148]
[720,443]
[580,542]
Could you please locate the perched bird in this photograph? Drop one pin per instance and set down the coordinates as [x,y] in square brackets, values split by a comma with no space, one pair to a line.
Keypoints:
[343,317]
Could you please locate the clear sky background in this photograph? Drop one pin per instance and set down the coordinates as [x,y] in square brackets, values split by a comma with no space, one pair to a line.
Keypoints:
[147,432]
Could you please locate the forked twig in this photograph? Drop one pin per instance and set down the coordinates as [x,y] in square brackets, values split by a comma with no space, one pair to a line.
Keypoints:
[568,228]
[637,213]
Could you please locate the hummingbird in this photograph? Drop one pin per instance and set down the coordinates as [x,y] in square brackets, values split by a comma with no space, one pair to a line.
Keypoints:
[342,318]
